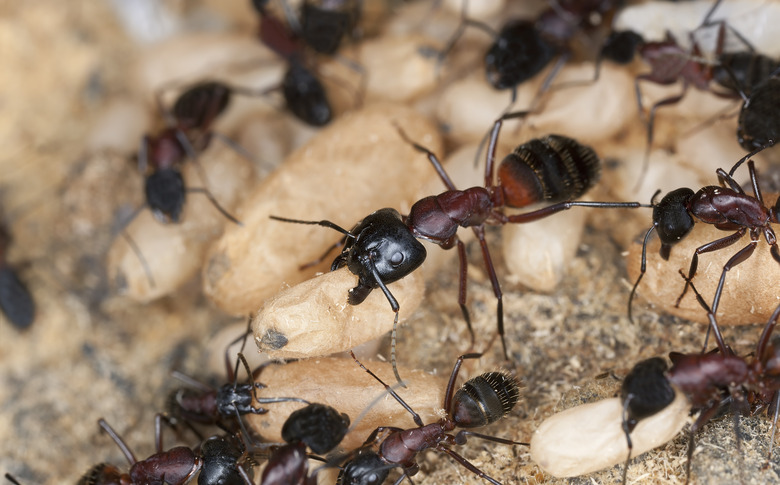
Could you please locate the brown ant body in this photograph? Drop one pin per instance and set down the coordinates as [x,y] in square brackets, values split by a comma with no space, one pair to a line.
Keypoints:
[219,461]
[728,208]
[479,402]
[382,248]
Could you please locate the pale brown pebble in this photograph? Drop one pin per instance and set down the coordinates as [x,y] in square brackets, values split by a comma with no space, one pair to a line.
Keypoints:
[750,293]
[313,318]
[590,437]
[355,166]
[342,384]
[175,252]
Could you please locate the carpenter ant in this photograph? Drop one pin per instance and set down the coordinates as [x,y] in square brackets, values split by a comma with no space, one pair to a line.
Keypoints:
[727,207]
[210,406]
[218,462]
[381,248]
[523,48]
[16,301]
[303,93]
[480,401]
[316,426]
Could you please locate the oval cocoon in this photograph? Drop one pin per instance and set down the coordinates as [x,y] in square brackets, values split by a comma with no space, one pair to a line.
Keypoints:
[313,318]
[590,437]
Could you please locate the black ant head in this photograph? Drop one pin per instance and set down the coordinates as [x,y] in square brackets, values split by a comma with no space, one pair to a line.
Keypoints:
[220,462]
[319,426]
[165,194]
[198,106]
[367,468]
[621,46]
[305,96]
[672,220]
[102,474]
[382,242]
[235,398]
[484,399]
[517,55]
[646,390]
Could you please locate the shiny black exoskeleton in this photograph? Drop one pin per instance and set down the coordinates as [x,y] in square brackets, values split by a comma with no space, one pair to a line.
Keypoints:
[759,121]
[728,208]
[318,426]
[518,54]
[741,72]
[325,23]
[221,457]
[480,401]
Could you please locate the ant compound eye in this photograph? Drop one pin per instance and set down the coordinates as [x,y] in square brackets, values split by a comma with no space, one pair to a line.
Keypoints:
[396,259]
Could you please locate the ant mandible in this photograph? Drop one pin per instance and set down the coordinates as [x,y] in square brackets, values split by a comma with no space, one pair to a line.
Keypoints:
[382,248]
[728,208]
[480,401]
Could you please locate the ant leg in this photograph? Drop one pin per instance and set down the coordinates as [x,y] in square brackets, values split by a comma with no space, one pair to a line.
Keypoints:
[324,255]
[460,438]
[230,370]
[233,145]
[627,432]
[749,156]
[561,206]
[741,256]
[431,156]
[706,248]
[763,341]
[415,416]
[467,464]
[12,479]
[642,271]
[137,251]
[454,375]
[210,196]
[713,322]
[754,181]
[462,283]
[118,440]
[190,381]
[479,231]
[651,129]
[725,179]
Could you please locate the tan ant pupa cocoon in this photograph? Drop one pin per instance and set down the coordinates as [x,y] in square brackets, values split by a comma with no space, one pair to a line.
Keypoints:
[351,168]
[342,384]
[313,318]
[174,252]
[590,437]
[750,292]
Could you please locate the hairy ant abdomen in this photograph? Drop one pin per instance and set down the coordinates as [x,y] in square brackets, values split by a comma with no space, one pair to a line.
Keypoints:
[306,96]
[518,54]
[317,425]
[165,194]
[484,399]
[102,474]
[551,169]
[219,463]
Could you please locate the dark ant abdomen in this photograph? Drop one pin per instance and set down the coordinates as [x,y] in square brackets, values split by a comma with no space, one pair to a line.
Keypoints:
[165,194]
[319,426]
[306,96]
[484,399]
[757,125]
[201,104]
[723,206]
[174,466]
[748,68]
[323,28]
[517,55]
[621,46]
[15,299]
[102,474]
[550,169]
